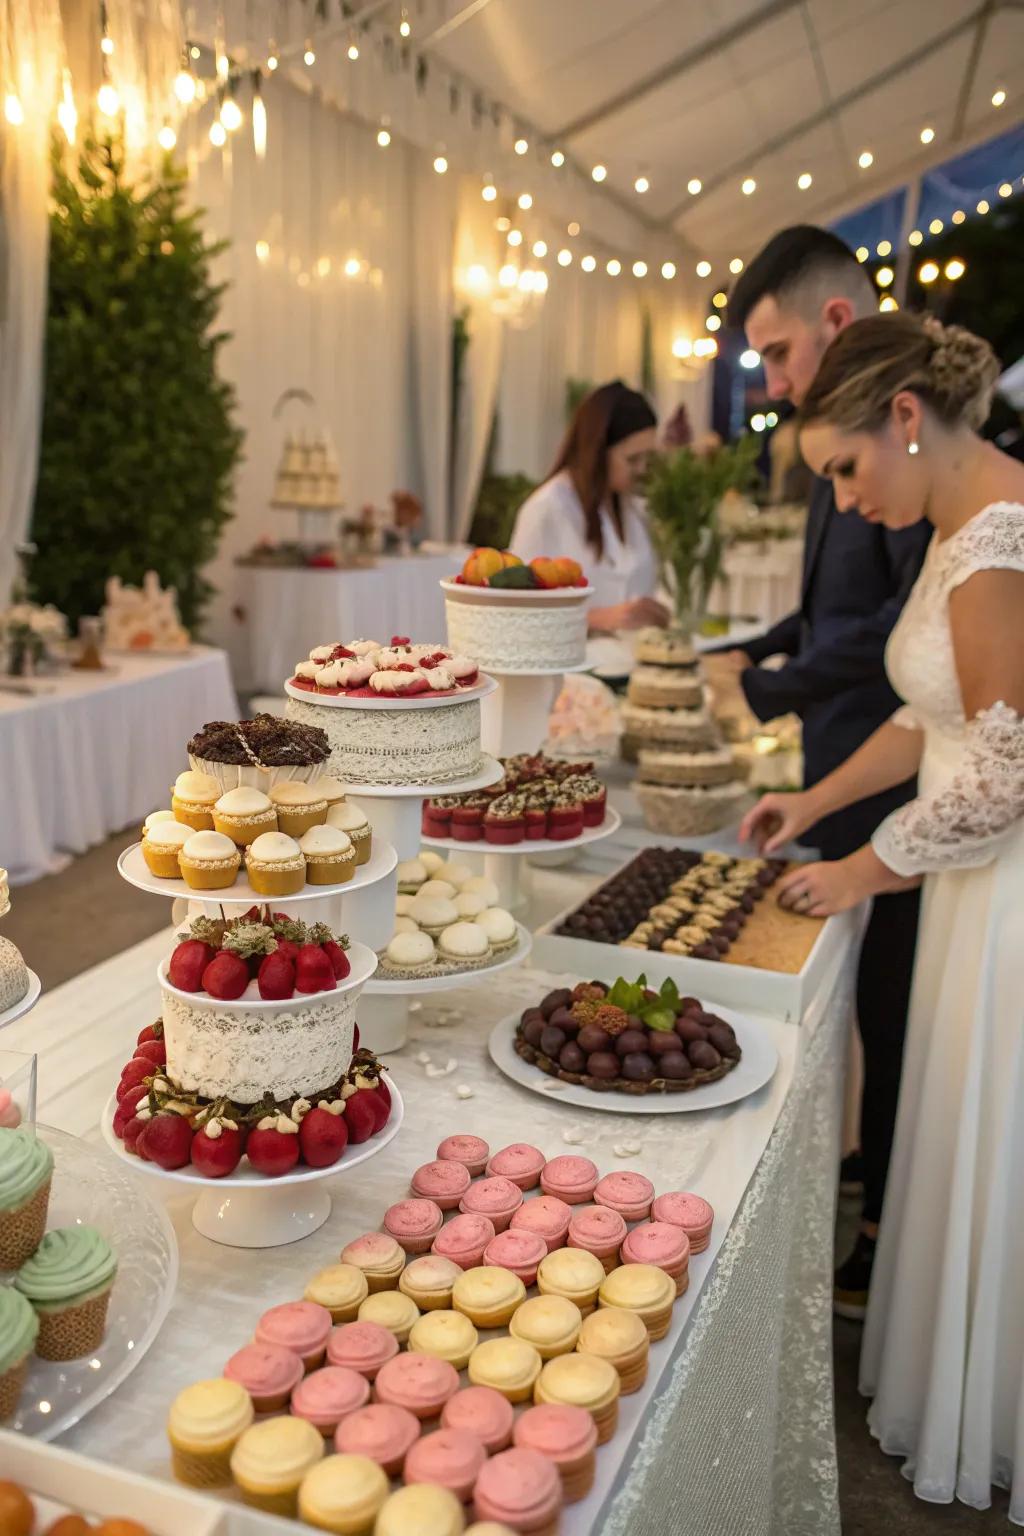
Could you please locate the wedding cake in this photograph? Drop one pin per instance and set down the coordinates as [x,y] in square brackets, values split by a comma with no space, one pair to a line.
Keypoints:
[143,619]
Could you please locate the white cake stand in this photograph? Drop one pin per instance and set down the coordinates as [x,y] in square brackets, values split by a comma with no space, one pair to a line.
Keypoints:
[397,809]
[249,1210]
[515,719]
[504,862]
[35,987]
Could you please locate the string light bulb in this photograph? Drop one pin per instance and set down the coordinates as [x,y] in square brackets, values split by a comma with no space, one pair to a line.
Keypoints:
[185,87]
[720,299]
[383,137]
[564,257]
[887,304]
[166,138]
[514,237]
[508,276]
[703,269]
[705,346]
[599,172]
[405,26]
[272,61]
[804,180]
[862,253]
[572,229]
[67,112]
[668,270]
[521,146]
[749,358]
[557,159]
[641,185]
[352,267]
[884,276]
[915,237]
[1006,190]
[14,112]
[489,192]
[309,57]
[927,134]
[712,322]
[353,50]
[958,216]
[736,265]
[231,114]
[639,269]
[262,251]
[440,164]
[694,186]
[259,120]
[588,263]
[935,227]
[748,186]
[218,134]
[525,201]
[540,249]
[883,248]
[682,347]
[108,100]
[613,267]
[502,224]
[928,272]
[954,269]
[983,207]
[865,159]
[106,44]
[998,97]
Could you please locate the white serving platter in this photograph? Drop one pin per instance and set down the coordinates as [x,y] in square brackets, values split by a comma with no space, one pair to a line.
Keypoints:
[131,866]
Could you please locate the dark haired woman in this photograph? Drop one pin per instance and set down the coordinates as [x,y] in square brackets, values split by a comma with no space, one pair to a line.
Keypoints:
[588,509]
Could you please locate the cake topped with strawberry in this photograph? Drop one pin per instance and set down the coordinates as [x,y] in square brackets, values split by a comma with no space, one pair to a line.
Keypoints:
[516,617]
[260,957]
[400,669]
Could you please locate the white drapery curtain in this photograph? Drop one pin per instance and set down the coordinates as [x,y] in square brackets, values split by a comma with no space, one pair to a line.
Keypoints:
[478,251]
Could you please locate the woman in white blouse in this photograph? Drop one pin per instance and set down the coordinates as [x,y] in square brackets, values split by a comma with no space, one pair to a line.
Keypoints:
[588,510]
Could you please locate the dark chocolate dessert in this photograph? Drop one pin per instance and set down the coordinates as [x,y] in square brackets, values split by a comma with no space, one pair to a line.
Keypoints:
[265,741]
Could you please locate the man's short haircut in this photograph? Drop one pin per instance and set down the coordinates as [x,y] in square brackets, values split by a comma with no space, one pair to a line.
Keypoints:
[801,267]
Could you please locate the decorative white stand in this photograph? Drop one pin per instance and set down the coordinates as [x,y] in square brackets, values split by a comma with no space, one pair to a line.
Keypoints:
[388,1001]
[28,1002]
[504,863]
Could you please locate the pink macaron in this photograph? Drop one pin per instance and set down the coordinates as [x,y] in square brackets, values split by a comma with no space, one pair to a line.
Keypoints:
[658,1243]
[381,1432]
[300,1326]
[520,1162]
[329,1395]
[572,1179]
[451,1458]
[421,1383]
[443,1181]
[496,1198]
[485,1413]
[547,1217]
[519,1488]
[628,1193]
[470,1151]
[691,1212]
[268,1372]
[599,1230]
[463,1240]
[521,1252]
[363,1347]
[413,1224]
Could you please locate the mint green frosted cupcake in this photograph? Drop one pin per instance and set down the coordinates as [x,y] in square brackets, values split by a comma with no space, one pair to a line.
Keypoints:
[26,1169]
[18,1329]
[68,1280]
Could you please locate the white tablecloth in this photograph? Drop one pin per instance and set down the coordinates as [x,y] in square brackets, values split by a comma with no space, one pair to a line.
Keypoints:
[288,612]
[99,752]
[760,581]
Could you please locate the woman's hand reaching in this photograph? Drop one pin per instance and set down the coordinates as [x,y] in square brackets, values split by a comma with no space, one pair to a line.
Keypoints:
[778,819]
[638,613]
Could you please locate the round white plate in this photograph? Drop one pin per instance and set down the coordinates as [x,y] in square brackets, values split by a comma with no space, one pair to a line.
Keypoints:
[361,958]
[757,1067]
[29,1001]
[415,985]
[611,824]
[549,595]
[89,1187]
[480,690]
[490,772]
[131,866]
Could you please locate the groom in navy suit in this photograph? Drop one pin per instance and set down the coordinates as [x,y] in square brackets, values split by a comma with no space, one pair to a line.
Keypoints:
[802,289]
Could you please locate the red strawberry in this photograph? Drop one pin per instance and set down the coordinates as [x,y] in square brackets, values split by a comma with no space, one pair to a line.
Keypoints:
[122,1114]
[339,960]
[132,1131]
[323,1137]
[151,1032]
[276,977]
[381,1110]
[341,653]
[362,1111]
[151,1050]
[134,1096]
[215,1156]
[187,964]
[313,970]
[133,1074]
[384,1094]
[272,1152]
[252,916]
[288,948]
[226,976]
[400,640]
[167,1141]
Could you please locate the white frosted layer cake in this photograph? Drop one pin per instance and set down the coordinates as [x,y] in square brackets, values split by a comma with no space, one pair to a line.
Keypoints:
[668,765]
[665,687]
[690,812]
[674,727]
[520,631]
[401,746]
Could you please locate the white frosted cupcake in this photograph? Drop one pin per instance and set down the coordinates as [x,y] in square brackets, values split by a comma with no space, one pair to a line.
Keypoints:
[275,865]
[298,807]
[464,944]
[329,854]
[154,817]
[329,788]
[349,818]
[208,861]
[499,926]
[193,796]
[433,913]
[161,844]
[410,953]
[243,814]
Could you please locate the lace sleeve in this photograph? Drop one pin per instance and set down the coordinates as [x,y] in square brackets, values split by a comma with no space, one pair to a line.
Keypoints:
[964,824]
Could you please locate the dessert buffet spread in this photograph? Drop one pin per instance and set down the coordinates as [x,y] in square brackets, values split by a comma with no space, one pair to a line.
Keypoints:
[516,617]
[447,921]
[539,798]
[471,1354]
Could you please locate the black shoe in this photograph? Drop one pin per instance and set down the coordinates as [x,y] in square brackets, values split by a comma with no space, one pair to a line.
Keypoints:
[852,1280]
[851,1174]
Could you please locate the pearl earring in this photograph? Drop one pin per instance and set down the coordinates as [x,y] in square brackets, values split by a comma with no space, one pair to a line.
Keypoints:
[913,448]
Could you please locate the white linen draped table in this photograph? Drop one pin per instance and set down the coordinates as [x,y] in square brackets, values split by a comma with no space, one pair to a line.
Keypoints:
[750,1341]
[759,581]
[289,611]
[99,751]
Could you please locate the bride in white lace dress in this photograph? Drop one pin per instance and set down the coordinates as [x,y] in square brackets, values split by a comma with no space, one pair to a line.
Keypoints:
[890,418]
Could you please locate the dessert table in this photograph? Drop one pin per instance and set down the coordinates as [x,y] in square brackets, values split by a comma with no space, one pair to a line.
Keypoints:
[87,753]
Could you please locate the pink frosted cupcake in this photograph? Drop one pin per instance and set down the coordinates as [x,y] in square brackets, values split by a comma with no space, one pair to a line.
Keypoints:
[444,1181]
[421,1383]
[485,1413]
[413,1224]
[301,1326]
[268,1372]
[520,1162]
[329,1395]
[381,1432]
[572,1179]
[497,1198]
[451,1458]
[379,1257]
[690,1212]
[363,1347]
[470,1151]
[566,1435]
[546,1217]
[521,1252]
[463,1240]
[521,1489]
[665,1246]
[600,1231]
[628,1193]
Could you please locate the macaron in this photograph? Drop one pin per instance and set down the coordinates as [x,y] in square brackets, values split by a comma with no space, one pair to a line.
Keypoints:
[566,1435]
[413,1224]
[691,1212]
[573,1273]
[550,1323]
[656,1242]
[449,1458]
[421,1383]
[391,1310]
[621,1338]
[380,1431]
[599,1230]
[570,1178]
[341,1288]
[508,1365]
[520,1488]
[443,1182]
[421,1509]
[585,1381]
[496,1198]
[301,1326]
[428,1281]
[485,1413]
[463,1240]
[520,1252]
[445,1333]
[641,1288]
[271,1460]
[328,1395]
[204,1425]
[380,1258]
[519,1162]
[628,1193]
[364,1347]
[470,1151]
[488,1295]
[343,1494]
[545,1215]
[268,1372]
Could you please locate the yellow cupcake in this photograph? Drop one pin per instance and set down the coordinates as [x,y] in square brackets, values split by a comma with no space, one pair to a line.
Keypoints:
[447,1334]
[208,861]
[272,1458]
[424,1509]
[585,1381]
[390,1310]
[348,818]
[204,1426]
[488,1295]
[621,1338]
[341,1288]
[329,855]
[429,1281]
[161,844]
[275,865]
[572,1273]
[379,1257]
[193,796]
[328,788]
[243,814]
[298,806]
[550,1323]
[343,1494]
[643,1289]
[508,1365]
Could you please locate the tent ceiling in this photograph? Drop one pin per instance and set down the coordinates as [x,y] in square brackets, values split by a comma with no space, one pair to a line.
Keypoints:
[727,89]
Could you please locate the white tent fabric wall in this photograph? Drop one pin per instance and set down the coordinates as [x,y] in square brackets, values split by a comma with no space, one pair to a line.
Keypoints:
[478,253]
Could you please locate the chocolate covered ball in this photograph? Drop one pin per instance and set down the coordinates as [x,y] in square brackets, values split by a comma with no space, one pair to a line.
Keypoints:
[551,1040]
[603,1064]
[722,1037]
[661,1042]
[529,1015]
[571,1058]
[675,1065]
[703,1054]
[638,1067]
[533,1031]
[631,1040]
[562,1019]
[560,998]
[593,1038]
[689,1029]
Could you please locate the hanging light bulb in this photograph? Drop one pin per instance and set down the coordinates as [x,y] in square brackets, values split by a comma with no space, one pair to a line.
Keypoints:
[572,229]
[915,237]
[928,272]
[514,237]
[862,253]
[1006,190]
[804,180]
[599,172]
[736,265]
[185,87]
[703,269]
[564,258]
[998,97]
[748,186]
[525,201]
[682,347]
[641,185]
[440,164]
[540,249]
[887,304]
[106,44]
[14,112]
[167,138]
[262,251]
[259,120]
[353,50]
[713,322]
[694,186]
[557,159]
[404,26]
[231,114]
[489,192]
[884,277]
[521,146]
[955,269]
[613,267]
[750,358]
[588,263]
[218,134]
[883,248]
[865,159]
[383,138]
[720,299]
[639,269]
[309,57]
[508,276]
[352,267]
[935,227]
[272,60]
[67,112]
[107,99]
[927,134]
[983,207]
[668,270]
